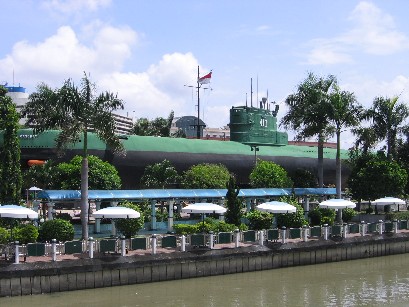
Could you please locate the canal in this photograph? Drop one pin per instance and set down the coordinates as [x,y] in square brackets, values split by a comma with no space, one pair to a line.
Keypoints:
[382,281]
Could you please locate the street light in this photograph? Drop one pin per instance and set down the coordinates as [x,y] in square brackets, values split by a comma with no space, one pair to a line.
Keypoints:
[255,149]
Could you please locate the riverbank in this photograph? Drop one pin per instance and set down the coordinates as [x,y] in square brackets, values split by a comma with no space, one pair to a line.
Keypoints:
[80,272]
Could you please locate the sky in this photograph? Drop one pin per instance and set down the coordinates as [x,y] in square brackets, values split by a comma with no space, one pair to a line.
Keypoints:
[148,52]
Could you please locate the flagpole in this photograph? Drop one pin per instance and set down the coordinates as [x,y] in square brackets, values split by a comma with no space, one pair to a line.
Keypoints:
[198,104]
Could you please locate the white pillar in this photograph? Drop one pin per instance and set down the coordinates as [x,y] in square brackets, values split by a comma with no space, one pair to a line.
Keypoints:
[345,230]
[395,226]
[113,228]
[153,214]
[363,226]
[306,206]
[50,207]
[170,216]
[97,225]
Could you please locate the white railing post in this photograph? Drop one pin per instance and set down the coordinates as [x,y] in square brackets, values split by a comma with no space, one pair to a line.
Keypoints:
[380,227]
[123,246]
[283,234]
[345,230]
[261,237]
[153,243]
[91,247]
[325,231]
[17,253]
[363,226]
[395,226]
[54,249]
[211,239]
[304,233]
[236,238]
[183,243]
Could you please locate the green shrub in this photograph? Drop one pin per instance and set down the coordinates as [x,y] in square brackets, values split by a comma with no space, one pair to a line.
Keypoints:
[185,229]
[315,217]
[4,235]
[129,227]
[25,233]
[401,215]
[58,229]
[321,216]
[259,220]
[64,216]
[348,214]
[369,210]
[292,220]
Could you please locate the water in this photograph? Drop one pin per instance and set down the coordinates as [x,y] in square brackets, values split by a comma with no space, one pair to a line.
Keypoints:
[382,281]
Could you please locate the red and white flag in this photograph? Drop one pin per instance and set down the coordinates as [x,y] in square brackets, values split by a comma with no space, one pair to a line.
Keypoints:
[205,79]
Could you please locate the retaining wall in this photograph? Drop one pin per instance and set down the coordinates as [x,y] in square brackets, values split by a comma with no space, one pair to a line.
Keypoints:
[108,271]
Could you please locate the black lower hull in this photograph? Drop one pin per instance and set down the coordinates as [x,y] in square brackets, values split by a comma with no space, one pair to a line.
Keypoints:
[132,166]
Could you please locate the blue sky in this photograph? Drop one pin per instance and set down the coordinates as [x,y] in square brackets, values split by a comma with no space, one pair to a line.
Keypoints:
[146,51]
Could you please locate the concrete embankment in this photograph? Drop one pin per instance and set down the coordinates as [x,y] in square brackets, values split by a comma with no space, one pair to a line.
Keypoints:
[114,270]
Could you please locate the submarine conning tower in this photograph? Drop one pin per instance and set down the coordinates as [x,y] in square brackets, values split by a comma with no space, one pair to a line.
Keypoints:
[256,126]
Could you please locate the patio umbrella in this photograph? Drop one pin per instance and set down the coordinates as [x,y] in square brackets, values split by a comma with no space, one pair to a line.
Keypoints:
[17,212]
[276,207]
[389,201]
[204,208]
[116,213]
[337,203]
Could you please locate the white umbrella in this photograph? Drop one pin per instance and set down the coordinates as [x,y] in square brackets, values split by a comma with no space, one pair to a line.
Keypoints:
[17,212]
[337,203]
[388,201]
[276,207]
[116,213]
[204,208]
[34,189]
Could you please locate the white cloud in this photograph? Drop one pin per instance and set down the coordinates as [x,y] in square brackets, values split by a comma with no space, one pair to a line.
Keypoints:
[374,32]
[74,6]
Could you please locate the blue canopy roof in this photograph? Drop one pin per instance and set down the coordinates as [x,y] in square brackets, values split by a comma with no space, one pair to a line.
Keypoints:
[158,194]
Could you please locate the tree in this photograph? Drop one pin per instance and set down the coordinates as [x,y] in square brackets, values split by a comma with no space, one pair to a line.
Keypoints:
[344,112]
[76,111]
[233,203]
[160,175]
[308,114]
[157,127]
[43,176]
[374,176]
[268,174]
[205,176]
[129,227]
[10,176]
[101,175]
[387,118]
[291,220]
[303,178]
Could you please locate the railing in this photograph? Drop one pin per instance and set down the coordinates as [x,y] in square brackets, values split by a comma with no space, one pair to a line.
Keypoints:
[121,246]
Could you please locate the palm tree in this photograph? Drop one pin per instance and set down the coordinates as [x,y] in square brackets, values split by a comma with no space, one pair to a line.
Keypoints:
[344,112]
[387,117]
[308,113]
[75,111]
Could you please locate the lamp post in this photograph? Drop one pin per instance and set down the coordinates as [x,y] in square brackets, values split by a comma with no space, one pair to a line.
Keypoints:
[255,149]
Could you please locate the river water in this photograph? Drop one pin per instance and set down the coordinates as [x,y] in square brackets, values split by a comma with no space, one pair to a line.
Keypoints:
[382,281]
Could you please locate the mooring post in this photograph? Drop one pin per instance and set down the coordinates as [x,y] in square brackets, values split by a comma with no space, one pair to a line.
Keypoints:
[261,237]
[345,230]
[363,225]
[325,231]
[305,233]
[395,226]
[380,227]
